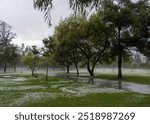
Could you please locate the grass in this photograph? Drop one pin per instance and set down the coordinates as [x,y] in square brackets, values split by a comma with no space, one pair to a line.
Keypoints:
[57,92]
[97,100]
[135,78]
[141,79]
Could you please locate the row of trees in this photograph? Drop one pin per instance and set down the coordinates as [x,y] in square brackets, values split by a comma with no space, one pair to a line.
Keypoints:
[108,35]
[116,28]
[11,55]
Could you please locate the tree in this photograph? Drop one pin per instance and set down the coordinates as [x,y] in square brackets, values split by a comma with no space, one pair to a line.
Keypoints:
[130,26]
[15,56]
[129,21]
[88,37]
[67,52]
[141,26]
[63,55]
[6,48]
[94,41]
[32,60]
[48,50]
[78,5]
[45,6]
[21,51]
[119,15]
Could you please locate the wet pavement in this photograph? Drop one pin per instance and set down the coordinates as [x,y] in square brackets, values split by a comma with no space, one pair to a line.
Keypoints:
[127,86]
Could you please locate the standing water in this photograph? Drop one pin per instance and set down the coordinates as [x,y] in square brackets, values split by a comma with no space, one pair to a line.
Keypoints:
[128,86]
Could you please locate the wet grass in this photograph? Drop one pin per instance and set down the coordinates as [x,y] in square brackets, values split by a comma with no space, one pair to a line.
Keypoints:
[56,93]
[141,79]
[135,78]
[97,100]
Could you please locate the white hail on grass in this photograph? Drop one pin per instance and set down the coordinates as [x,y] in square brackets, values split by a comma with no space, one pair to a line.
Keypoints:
[19,79]
[20,88]
[88,89]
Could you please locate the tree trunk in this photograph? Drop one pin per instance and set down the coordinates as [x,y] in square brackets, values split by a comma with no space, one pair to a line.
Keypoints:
[21,69]
[33,74]
[68,69]
[120,63]
[91,81]
[76,66]
[5,68]
[91,71]
[119,54]
[14,68]
[47,73]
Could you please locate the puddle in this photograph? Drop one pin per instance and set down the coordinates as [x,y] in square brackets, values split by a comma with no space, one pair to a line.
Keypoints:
[127,86]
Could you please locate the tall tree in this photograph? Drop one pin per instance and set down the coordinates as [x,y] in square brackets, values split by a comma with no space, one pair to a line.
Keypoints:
[48,51]
[15,56]
[94,41]
[119,15]
[88,37]
[141,30]
[6,48]
[63,55]
[65,36]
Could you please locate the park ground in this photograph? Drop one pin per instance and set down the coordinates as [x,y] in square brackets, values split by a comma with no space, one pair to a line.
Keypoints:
[23,90]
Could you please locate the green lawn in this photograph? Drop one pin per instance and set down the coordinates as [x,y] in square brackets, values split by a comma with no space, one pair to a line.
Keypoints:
[127,78]
[24,90]
[135,78]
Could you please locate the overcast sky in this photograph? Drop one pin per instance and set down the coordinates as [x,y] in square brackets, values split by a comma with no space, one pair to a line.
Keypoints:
[29,23]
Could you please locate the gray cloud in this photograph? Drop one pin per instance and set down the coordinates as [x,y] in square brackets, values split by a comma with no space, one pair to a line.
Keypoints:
[29,23]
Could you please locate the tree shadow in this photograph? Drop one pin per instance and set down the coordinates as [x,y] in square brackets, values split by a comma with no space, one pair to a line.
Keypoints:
[91,80]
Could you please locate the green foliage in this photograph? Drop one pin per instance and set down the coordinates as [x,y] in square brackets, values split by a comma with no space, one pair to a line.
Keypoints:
[66,38]
[45,6]
[48,51]
[129,29]
[81,5]
[48,48]
[8,51]
[27,60]
[32,60]
[116,28]
[141,26]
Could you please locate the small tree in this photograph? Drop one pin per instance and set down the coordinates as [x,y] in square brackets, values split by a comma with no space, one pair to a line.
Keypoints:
[48,50]
[32,60]
[63,55]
